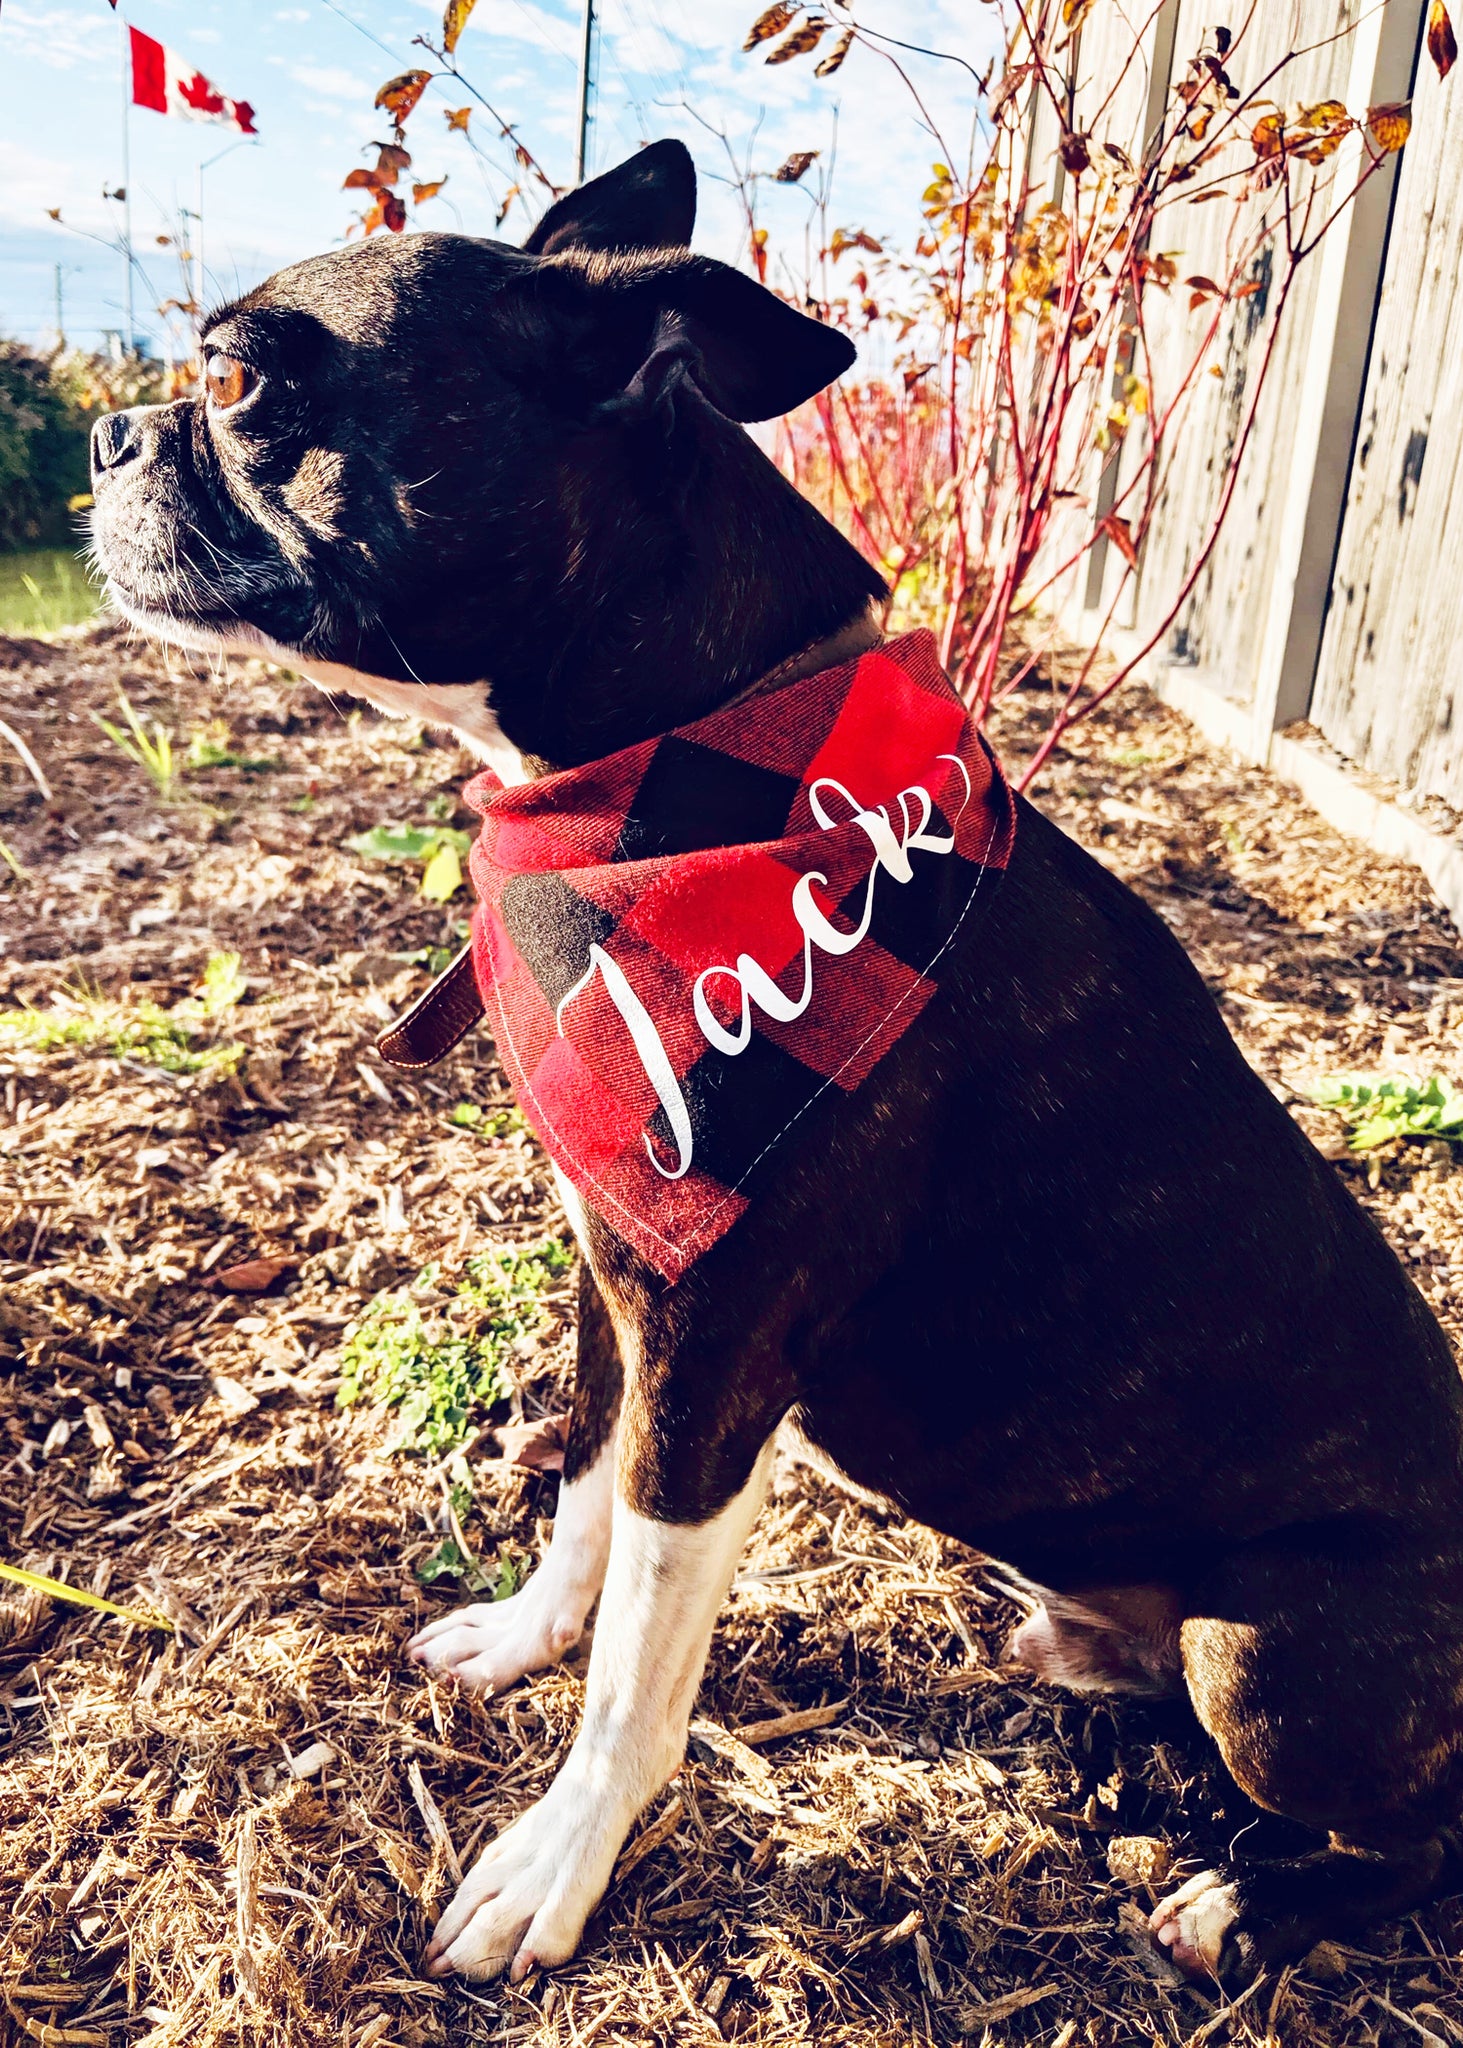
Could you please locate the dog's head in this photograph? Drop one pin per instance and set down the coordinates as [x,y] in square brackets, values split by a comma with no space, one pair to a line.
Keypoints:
[409,449]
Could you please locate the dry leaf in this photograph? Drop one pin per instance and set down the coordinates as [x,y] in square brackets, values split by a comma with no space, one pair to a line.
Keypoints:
[253,1276]
[1076,152]
[771,22]
[1268,135]
[801,41]
[1075,12]
[421,192]
[1390,125]
[796,166]
[400,94]
[536,1446]
[458,117]
[454,21]
[826,66]
[1442,44]
[1120,532]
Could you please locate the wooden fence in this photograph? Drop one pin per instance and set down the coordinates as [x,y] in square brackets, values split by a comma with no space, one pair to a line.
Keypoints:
[1335,593]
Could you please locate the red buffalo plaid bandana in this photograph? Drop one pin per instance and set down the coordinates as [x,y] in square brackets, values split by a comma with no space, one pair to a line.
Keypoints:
[682,946]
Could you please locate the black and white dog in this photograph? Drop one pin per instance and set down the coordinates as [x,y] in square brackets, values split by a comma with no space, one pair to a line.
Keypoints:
[1058,1277]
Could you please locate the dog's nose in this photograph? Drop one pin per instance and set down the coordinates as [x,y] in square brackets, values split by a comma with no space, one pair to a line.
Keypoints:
[116,439]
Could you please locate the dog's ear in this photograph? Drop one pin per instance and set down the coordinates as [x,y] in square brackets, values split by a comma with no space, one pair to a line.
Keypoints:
[648,202]
[615,334]
[753,355]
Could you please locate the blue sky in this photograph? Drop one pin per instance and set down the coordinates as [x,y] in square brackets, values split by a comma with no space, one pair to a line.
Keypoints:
[311,75]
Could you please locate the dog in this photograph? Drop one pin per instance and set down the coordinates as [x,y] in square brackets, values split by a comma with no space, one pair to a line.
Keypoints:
[1059,1277]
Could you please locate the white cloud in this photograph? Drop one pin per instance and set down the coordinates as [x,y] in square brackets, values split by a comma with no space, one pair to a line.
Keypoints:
[332,82]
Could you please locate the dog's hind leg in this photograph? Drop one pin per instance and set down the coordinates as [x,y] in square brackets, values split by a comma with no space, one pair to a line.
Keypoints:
[1327,1663]
[490,1645]
[1105,1639]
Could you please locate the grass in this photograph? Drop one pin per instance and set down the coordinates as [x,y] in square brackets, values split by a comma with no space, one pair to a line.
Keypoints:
[138,1031]
[435,1359]
[44,589]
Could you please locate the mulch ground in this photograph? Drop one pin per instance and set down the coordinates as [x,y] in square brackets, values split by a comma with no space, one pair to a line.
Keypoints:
[240,1831]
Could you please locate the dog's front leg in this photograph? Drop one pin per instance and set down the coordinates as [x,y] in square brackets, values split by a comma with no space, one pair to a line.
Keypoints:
[527,1898]
[492,1644]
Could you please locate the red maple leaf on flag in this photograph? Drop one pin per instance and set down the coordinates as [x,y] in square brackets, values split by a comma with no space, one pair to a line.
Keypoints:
[200,95]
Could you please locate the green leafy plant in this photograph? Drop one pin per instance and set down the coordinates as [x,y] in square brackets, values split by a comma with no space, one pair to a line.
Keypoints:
[434,1365]
[486,1123]
[151,752]
[449,1561]
[1400,1107]
[223,984]
[440,848]
[144,1031]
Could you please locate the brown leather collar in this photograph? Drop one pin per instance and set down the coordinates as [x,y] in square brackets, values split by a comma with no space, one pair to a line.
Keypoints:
[443,1014]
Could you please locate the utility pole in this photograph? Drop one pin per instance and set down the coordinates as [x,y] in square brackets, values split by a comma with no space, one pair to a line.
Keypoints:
[586,93]
[127,184]
[60,314]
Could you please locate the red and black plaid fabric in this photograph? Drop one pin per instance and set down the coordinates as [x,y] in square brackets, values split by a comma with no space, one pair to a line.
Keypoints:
[682,946]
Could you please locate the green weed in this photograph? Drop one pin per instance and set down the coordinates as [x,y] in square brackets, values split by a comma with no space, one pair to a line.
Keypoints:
[486,1123]
[440,848]
[141,1031]
[450,1561]
[1401,1107]
[209,747]
[435,1367]
[151,752]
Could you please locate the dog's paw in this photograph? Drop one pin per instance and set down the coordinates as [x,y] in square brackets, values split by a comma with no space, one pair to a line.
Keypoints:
[526,1899]
[1196,1923]
[492,1645]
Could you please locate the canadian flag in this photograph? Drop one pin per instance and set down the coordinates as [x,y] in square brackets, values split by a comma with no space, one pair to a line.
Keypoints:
[164,81]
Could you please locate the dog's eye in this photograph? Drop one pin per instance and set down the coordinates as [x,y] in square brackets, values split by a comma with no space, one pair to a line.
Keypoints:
[227,380]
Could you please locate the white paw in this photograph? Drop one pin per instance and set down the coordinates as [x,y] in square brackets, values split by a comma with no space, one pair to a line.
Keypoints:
[1193,1923]
[526,1899]
[493,1644]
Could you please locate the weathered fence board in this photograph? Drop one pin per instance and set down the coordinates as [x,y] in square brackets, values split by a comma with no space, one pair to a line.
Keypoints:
[1389,686]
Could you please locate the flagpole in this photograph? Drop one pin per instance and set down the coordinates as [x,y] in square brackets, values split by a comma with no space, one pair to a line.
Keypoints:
[127,183]
[586,92]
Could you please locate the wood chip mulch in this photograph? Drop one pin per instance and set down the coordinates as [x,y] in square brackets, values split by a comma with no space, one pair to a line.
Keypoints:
[241,1831]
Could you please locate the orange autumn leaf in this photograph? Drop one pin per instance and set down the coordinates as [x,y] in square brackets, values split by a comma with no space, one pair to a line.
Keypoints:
[801,41]
[457,117]
[1442,44]
[826,66]
[428,191]
[1390,126]
[400,94]
[771,22]
[1268,134]
[1120,532]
